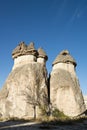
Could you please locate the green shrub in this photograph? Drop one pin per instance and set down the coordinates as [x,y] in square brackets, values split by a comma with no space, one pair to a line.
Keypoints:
[59,115]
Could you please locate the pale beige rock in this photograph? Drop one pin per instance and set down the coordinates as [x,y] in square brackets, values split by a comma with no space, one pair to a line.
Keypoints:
[23,60]
[65,93]
[85,100]
[42,56]
[25,90]
[41,60]
[23,49]
[68,67]
[25,85]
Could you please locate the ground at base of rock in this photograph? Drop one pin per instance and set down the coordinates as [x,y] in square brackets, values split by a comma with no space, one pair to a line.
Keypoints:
[22,125]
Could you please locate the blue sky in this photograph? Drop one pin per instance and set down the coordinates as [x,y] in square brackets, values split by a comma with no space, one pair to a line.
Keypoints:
[54,25]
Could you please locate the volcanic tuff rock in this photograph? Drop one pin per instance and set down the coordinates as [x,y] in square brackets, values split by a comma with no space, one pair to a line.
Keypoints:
[85,100]
[65,89]
[25,90]
[23,49]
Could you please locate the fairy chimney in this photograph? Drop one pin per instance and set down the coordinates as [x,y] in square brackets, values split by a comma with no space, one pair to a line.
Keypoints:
[42,56]
[66,94]
[24,92]
[24,54]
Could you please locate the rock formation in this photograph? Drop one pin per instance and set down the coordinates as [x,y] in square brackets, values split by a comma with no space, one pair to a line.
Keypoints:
[85,100]
[24,93]
[65,94]
[42,57]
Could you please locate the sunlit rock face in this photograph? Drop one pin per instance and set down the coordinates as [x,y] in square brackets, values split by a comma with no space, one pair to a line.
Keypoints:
[42,57]
[66,94]
[85,100]
[25,90]
[23,60]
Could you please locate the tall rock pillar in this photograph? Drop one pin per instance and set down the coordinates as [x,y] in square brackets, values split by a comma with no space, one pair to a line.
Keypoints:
[25,89]
[65,91]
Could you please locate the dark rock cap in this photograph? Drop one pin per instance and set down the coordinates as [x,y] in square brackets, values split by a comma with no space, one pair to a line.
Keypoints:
[31,49]
[64,57]
[31,46]
[42,53]
[18,51]
[23,49]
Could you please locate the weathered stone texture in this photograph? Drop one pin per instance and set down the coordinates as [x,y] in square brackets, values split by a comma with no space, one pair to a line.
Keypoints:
[24,93]
[23,49]
[85,100]
[25,86]
[23,60]
[65,93]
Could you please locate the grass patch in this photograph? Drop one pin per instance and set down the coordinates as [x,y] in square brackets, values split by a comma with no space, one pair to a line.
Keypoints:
[58,115]
[54,121]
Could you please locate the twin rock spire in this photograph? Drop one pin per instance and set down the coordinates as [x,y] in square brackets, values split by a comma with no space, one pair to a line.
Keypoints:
[25,92]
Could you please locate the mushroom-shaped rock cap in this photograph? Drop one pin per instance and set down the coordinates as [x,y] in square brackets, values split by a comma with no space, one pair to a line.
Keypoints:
[23,49]
[31,49]
[19,50]
[64,57]
[42,53]
[21,46]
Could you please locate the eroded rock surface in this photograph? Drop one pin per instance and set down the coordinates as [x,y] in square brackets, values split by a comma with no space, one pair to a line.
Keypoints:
[66,94]
[25,90]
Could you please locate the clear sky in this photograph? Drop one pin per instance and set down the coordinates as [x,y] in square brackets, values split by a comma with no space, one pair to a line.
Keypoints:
[54,25]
